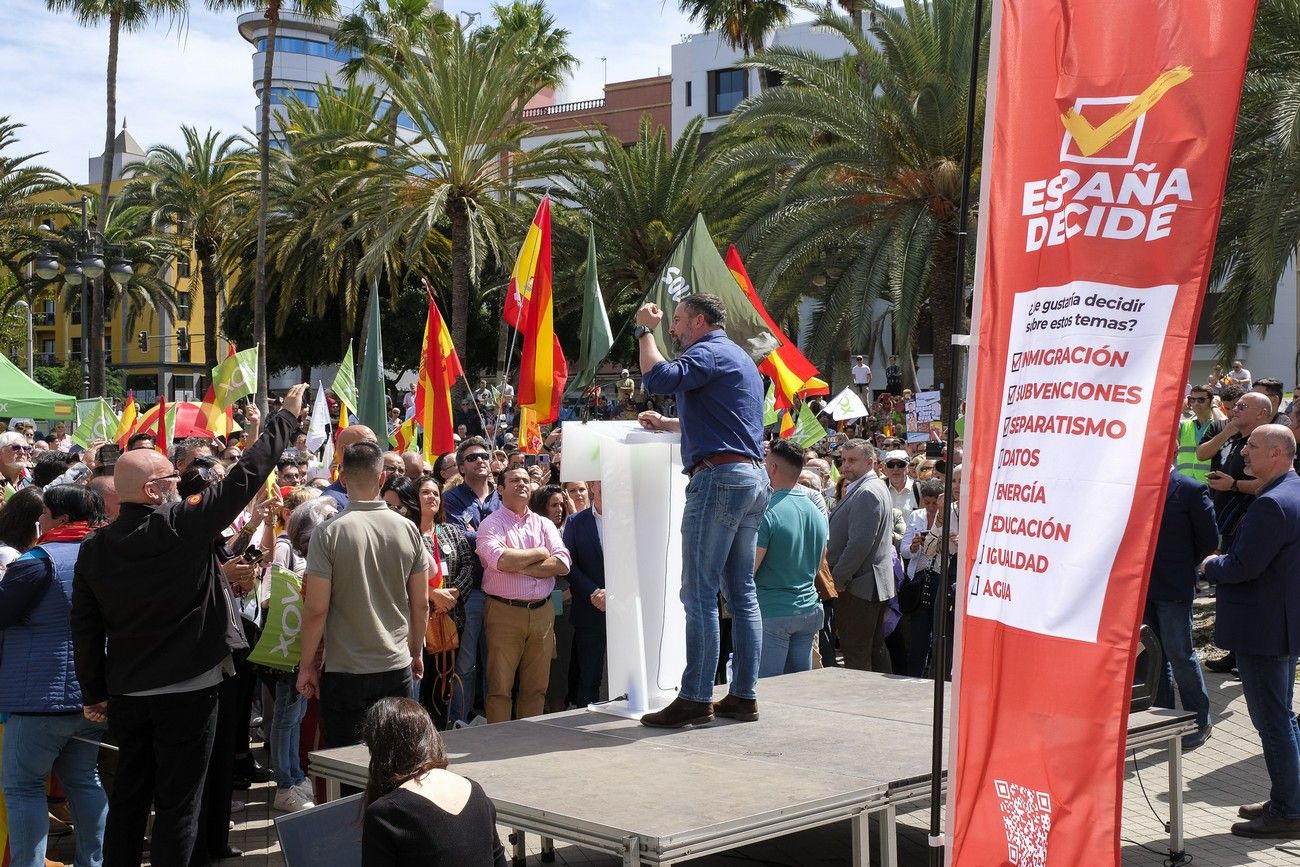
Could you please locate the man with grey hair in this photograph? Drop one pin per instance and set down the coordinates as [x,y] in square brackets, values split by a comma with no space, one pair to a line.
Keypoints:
[720,407]
[1259,619]
[15,463]
[859,552]
[1232,486]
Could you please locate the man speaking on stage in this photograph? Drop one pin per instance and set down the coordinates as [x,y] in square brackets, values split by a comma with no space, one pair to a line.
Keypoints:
[720,417]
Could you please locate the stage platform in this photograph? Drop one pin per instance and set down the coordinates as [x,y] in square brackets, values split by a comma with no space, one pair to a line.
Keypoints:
[830,745]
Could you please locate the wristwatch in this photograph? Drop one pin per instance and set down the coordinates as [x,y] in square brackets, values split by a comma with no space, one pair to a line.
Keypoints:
[641,331]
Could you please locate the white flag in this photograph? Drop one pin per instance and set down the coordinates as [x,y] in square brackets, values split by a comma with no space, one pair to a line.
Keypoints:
[318,429]
[846,405]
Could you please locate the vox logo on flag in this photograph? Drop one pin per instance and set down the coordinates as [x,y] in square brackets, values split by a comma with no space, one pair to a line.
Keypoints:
[1092,127]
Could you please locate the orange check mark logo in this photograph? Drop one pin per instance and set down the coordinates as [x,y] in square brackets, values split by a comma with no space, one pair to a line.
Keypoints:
[1092,139]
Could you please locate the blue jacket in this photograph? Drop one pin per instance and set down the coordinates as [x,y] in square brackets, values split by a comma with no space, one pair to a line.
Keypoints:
[37,673]
[1259,587]
[1187,536]
[587,572]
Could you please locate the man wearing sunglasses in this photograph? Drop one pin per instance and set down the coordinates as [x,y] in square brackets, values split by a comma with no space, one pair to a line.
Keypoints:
[1191,431]
[153,628]
[15,463]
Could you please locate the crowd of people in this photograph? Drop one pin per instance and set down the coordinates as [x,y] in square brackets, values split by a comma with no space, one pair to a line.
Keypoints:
[470,590]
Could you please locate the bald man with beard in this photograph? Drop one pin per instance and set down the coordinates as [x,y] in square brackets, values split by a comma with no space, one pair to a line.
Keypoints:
[355,433]
[153,627]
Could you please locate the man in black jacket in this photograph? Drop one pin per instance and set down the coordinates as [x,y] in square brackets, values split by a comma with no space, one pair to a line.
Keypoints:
[153,626]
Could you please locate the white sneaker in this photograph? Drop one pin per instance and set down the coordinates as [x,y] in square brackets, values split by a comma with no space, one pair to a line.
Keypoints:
[306,788]
[292,801]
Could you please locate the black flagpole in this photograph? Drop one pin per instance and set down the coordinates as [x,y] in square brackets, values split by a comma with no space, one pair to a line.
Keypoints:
[939,658]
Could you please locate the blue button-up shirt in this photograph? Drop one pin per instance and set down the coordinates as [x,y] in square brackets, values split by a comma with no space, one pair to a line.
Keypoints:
[464,509]
[719,398]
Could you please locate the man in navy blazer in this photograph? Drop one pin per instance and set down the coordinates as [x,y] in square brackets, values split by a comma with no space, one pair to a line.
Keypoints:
[584,537]
[1259,617]
[1187,535]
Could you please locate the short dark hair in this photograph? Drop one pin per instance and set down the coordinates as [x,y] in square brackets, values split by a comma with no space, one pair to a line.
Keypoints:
[137,438]
[1270,386]
[707,305]
[1199,388]
[466,445]
[403,745]
[18,518]
[286,460]
[1229,394]
[864,446]
[183,452]
[363,457]
[930,488]
[789,454]
[78,502]
[50,466]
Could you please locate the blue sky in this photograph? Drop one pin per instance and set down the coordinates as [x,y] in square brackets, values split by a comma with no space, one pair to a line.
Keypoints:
[52,71]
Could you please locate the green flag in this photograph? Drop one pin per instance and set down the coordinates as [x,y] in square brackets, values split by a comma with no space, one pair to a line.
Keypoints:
[372,409]
[95,421]
[808,431]
[695,267]
[344,385]
[280,644]
[596,336]
[234,378]
[769,406]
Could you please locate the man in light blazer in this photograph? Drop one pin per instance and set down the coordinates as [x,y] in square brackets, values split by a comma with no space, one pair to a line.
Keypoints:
[858,552]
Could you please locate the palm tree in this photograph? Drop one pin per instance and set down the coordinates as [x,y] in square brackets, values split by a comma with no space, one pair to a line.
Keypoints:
[869,175]
[1260,226]
[22,183]
[312,9]
[530,21]
[743,24]
[373,31]
[195,190]
[465,155]
[128,15]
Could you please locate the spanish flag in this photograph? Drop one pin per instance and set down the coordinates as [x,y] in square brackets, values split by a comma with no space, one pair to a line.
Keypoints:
[439,370]
[530,432]
[520,289]
[543,370]
[404,437]
[233,378]
[791,373]
[162,439]
[126,424]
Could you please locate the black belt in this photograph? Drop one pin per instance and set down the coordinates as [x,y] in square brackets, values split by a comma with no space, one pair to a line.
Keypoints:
[521,603]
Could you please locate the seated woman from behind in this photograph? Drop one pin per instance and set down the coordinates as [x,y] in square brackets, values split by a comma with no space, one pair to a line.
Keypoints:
[417,811]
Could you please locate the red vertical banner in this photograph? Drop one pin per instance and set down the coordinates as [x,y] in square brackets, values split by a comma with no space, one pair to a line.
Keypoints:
[1109,126]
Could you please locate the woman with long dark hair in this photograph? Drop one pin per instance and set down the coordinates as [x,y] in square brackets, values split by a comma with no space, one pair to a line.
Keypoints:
[418,813]
[18,519]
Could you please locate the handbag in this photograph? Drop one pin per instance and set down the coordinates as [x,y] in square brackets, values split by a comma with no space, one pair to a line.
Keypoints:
[440,633]
[918,591]
[824,582]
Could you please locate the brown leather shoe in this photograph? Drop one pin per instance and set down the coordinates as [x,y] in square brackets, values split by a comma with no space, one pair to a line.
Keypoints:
[682,712]
[732,707]
[1269,826]
[1253,811]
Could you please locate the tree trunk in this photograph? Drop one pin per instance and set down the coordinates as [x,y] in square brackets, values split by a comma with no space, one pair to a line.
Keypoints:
[207,254]
[93,338]
[263,203]
[942,323]
[459,273]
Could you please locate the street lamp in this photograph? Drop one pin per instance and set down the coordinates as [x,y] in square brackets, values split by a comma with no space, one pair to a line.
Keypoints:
[31,346]
[85,265]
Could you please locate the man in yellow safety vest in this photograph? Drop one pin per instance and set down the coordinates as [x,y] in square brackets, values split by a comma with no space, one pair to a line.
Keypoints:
[1190,431]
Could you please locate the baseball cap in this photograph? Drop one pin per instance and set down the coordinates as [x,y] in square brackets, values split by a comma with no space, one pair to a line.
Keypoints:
[896,455]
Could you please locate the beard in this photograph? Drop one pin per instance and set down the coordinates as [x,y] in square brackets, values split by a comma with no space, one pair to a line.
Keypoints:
[169,497]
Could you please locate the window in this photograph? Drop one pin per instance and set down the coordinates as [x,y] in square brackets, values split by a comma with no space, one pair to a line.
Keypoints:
[183,306]
[108,346]
[312,47]
[47,347]
[183,264]
[688,94]
[75,354]
[727,87]
[772,78]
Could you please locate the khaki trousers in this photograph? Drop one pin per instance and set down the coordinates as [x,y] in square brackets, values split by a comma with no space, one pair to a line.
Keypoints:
[519,640]
[860,625]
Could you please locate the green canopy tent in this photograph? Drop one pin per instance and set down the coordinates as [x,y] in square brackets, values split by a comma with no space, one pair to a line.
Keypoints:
[22,397]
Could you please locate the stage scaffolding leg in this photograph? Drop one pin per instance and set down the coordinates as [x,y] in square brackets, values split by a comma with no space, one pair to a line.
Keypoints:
[631,852]
[861,840]
[887,828]
[518,854]
[548,850]
[1176,795]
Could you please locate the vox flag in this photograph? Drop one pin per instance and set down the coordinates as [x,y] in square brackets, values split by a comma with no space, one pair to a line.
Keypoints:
[95,421]
[596,335]
[1106,151]
[344,385]
[439,370]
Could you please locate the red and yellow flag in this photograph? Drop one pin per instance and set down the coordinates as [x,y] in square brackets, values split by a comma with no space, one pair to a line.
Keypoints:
[520,289]
[126,424]
[162,436]
[543,370]
[404,437]
[214,420]
[439,369]
[792,373]
[530,432]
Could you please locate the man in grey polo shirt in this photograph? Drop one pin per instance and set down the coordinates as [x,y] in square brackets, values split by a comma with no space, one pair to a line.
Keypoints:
[366,588]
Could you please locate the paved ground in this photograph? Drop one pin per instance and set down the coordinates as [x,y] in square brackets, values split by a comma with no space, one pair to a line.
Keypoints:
[1226,772]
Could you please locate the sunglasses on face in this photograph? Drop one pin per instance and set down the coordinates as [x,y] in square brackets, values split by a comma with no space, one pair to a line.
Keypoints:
[22,450]
[477,456]
[895,465]
[1198,400]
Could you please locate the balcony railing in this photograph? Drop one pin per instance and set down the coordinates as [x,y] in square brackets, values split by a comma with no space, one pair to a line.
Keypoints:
[46,359]
[42,318]
[564,108]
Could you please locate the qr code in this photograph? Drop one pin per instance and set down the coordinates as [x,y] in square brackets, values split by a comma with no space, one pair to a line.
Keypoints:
[1026,817]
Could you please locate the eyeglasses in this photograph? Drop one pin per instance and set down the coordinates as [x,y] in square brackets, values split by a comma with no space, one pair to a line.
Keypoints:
[477,456]
[1239,405]
[1198,400]
[170,477]
[895,465]
[22,450]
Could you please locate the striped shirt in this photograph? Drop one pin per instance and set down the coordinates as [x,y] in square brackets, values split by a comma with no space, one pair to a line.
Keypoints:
[504,530]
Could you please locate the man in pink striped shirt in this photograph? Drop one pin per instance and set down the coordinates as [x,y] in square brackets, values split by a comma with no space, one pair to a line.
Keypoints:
[522,553]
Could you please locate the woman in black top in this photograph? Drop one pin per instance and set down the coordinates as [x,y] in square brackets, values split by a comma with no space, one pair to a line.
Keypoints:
[419,814]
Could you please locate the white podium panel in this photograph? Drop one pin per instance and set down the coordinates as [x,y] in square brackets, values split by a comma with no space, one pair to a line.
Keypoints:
[644,493]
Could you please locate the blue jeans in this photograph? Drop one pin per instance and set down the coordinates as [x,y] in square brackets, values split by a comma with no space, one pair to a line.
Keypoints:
[33,746]
[467,657]
[1268,682]
[1172,624]
[286,734]
[724,505]
[787,643]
